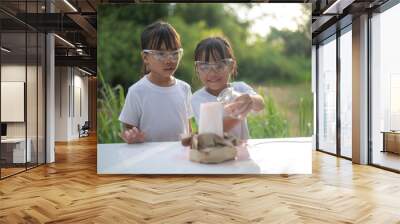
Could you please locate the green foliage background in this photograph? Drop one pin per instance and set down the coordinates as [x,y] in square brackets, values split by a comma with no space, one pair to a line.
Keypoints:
[283,58]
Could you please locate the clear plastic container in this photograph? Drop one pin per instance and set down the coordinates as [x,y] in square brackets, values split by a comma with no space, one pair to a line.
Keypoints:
[226,97]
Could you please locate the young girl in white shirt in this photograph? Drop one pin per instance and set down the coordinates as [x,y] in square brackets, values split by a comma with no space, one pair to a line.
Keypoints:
[215,64]
[157,107]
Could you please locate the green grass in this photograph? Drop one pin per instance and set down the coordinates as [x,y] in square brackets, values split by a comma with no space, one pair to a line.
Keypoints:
[305,116]
[294,103]
[268,123]
[109,104]
[272,122]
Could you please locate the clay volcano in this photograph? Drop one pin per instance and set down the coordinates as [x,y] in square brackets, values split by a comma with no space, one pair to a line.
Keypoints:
[211,148]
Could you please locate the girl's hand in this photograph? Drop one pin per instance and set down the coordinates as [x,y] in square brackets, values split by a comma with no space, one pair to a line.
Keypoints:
[240,107]
[132,136]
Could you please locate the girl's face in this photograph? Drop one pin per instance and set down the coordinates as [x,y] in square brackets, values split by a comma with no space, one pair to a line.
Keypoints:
[214,74]
[162,63]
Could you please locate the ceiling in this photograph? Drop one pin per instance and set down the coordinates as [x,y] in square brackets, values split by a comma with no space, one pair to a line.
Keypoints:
[74,22]
[330,15]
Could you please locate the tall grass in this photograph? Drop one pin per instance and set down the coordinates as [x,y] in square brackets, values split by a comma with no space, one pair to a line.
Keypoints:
[268,123]
[306,116]
[110,102]
[273,123]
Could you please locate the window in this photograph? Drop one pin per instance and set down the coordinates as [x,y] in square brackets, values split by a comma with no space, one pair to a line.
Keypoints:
[385,88]
[327,96]
[346,92]
[22,76]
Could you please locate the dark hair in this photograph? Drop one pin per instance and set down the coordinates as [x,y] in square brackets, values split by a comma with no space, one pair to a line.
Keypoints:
[157,34]
[216,47]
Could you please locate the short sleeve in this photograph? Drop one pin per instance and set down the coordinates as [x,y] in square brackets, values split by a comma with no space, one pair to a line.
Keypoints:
[242,87]
[131,112]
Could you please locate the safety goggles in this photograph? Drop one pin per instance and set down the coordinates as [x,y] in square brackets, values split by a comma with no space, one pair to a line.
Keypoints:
[165,55]
[218,67]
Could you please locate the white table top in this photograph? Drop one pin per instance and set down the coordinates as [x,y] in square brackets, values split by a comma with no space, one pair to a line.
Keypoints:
[260,156]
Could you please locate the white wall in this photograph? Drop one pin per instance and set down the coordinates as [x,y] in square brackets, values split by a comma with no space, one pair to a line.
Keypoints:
[71,87]
[17,73]
[12,101]
[385,73]
[61,103]
[13,73]
[80,83]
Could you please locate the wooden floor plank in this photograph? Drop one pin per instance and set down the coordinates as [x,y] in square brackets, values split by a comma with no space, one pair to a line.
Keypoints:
[70,191]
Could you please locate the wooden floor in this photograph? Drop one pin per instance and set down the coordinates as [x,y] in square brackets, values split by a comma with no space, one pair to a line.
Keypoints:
[10,171]
[70,191]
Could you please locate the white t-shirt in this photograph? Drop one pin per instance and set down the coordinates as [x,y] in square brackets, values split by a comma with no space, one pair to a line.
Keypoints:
[202,96]
[162,113]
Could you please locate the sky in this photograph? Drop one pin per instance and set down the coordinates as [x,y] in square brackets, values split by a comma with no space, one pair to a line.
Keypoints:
[267,15]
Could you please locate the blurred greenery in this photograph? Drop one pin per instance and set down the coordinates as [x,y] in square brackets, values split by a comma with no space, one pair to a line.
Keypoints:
[281,58]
